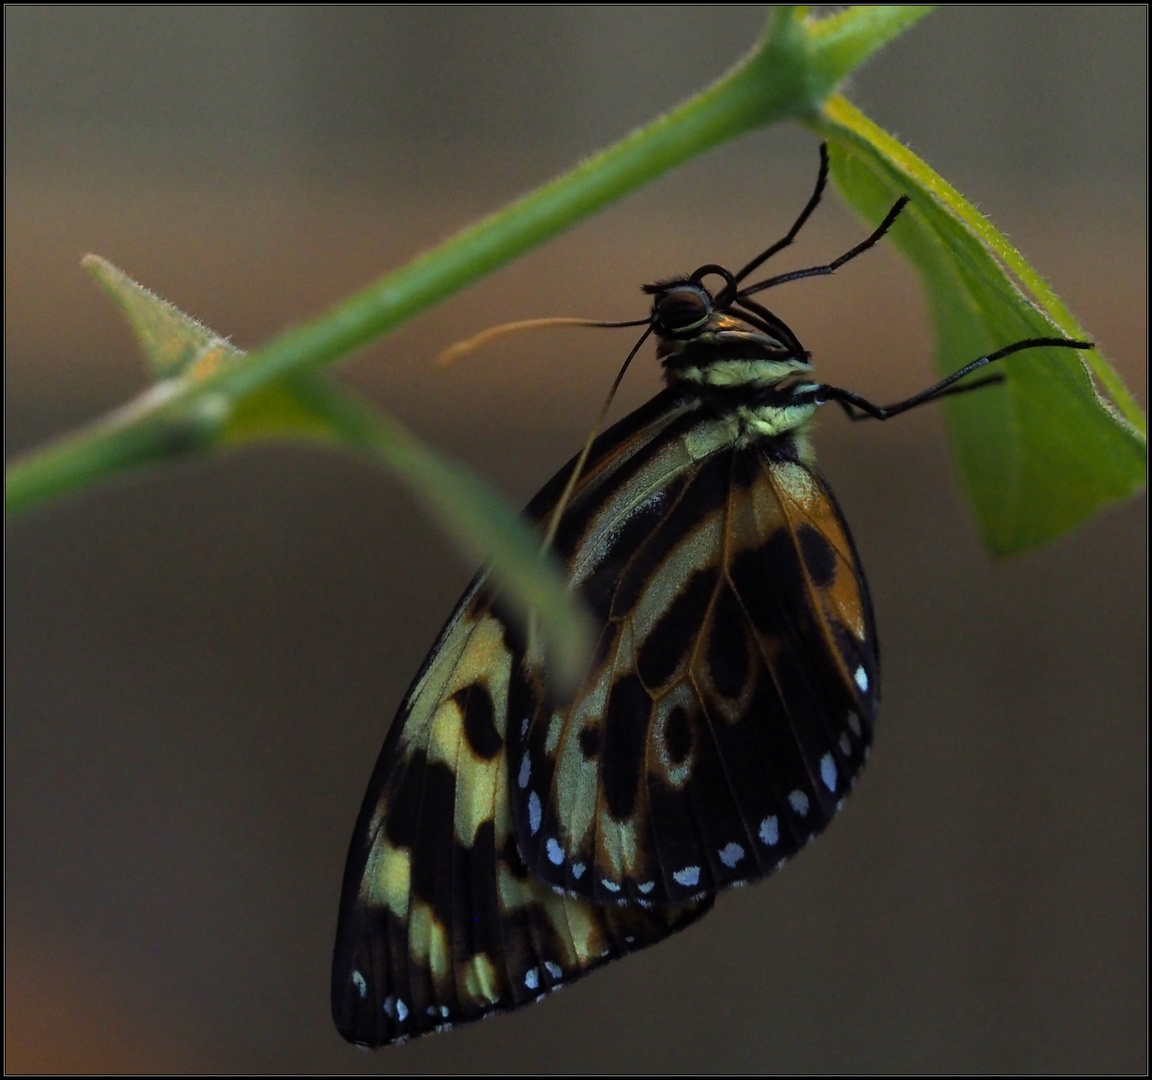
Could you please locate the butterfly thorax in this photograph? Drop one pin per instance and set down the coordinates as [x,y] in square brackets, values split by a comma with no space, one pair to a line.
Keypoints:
[743,374]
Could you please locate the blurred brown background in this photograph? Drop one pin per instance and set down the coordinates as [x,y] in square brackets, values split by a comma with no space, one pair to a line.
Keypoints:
[201,663]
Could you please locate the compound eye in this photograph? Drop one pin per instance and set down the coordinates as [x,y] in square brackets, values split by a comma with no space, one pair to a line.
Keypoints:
[682,309]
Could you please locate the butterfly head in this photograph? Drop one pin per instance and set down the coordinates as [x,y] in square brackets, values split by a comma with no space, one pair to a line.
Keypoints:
[721,340]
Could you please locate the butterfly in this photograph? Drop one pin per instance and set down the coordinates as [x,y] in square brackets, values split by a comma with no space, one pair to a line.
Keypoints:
[512,841]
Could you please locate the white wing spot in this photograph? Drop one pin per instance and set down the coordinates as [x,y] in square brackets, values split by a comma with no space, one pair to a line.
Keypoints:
[770,830]
[799,802]
[525,772]
[690,875]
[629,939]
[534,813]
[611,886]
[532,979]
[555,852]
[555,970]
[730,854]
[360,984]
[828,772]
[861,678]
[577,869]
[524,726]
[845,744]
[646,886]
[854,724]
[401,1010]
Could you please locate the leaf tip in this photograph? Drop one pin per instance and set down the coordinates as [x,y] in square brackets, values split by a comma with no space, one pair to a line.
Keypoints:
[170,339]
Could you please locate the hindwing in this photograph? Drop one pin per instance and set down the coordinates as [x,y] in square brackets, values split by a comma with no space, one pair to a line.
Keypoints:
[730,703]
[509,843]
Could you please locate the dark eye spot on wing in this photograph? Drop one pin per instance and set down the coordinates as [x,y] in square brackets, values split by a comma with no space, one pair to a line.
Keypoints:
[625,729]
[475,703]
[819,555]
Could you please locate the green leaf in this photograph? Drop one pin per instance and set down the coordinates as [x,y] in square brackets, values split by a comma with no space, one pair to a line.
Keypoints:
[1042,451]
[841,42]
[172,341]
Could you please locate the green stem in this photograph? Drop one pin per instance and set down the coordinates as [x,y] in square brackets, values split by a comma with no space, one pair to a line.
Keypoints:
[755,92]
[797,64]
[143,432]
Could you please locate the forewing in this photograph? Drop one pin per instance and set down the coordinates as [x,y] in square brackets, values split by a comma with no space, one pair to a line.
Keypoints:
[731,700]
[440,921]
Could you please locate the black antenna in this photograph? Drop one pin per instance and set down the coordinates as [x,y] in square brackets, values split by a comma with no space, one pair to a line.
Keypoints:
[805,214]
[732,294]
[835,264]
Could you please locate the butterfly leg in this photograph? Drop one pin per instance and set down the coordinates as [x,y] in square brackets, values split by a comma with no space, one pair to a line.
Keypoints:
[860,408]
